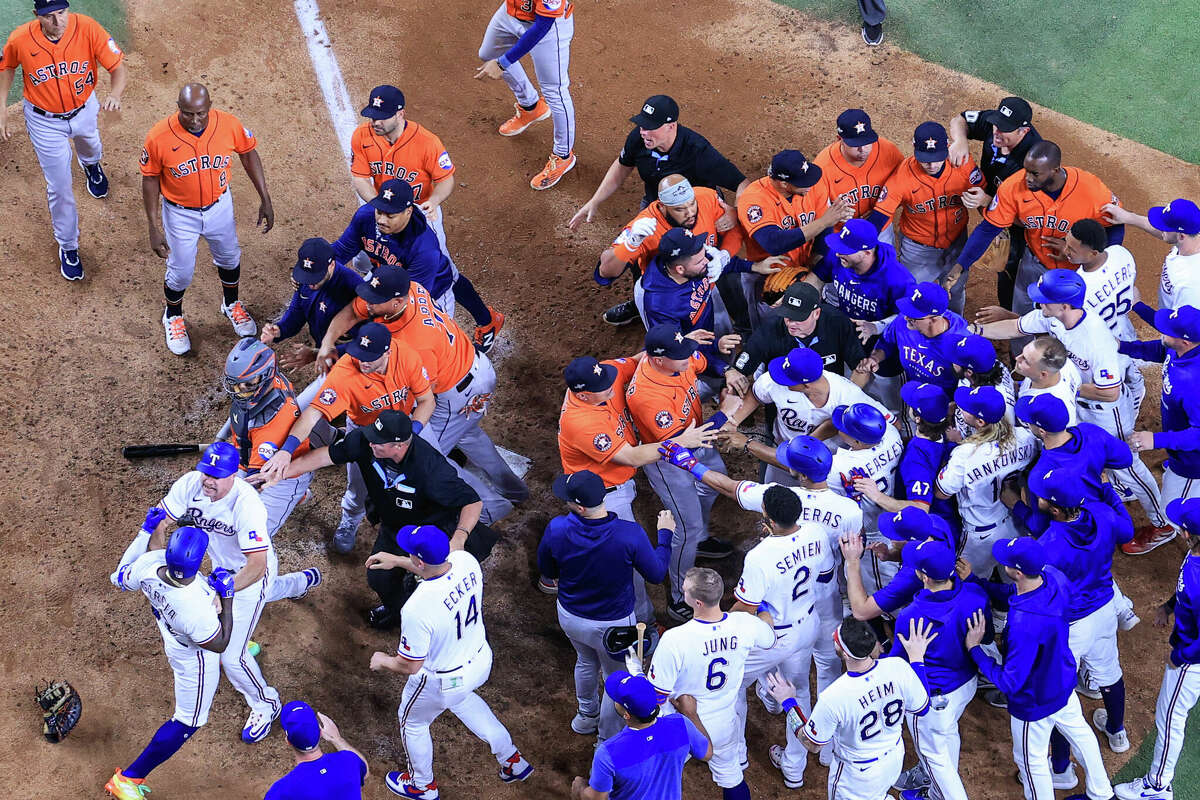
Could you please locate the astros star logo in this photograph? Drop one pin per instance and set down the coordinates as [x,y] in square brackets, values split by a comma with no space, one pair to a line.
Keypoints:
[375,282]
[308,263]
[596,369]
[364,341]
[804,167]
[322,306]
[860,127]
[678,337]
[377,102]
[931,144]
[387,194]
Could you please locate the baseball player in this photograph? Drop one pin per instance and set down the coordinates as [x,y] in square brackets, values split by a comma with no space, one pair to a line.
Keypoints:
[445,655]
[195,618]
[185,180]
[927,189]
[1181,677]
[543,29]
[1038,673]
[1047,369]
[58,53]
[1178,224]
[976,364]
[706,657]
[341,773]
[857,165]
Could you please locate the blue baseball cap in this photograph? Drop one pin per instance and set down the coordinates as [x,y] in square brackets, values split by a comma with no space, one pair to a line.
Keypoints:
[1178,216]
[984,402]
[790,166]
[312,261]
[1185,512]
[667,341]
[370,341]
[384,283]
[1061,487]
[425,542]
[584,488]
[383,103]
[975,353]
[914,524]
[929,400]
[931,143]
[44,7]
[801,365]
[856,235]
[1024,553]
[1045,410]
[634,692]
[219,460]
[394,196]
[1180,323]
[860,421]
[586,374]
[926,299]
[854,128]
[300,725]
[806,455]
[1059,286]
[936,559]
[679,243]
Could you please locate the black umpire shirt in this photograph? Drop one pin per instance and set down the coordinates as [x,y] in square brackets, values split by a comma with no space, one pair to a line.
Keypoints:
[691,156]
[994,165]
[835,338]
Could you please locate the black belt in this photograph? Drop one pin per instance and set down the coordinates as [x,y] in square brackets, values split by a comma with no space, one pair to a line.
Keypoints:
[69,115]
[611,489]
[460,666]
[1090,405]
[465,382]
[194,208]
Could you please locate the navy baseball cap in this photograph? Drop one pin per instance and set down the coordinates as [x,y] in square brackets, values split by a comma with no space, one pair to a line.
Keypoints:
[926,299]
[383,284]
[1024,553]
[790,166]
[44,7]
[856,235]
[1185,512]
[1044,410]
[801,365]
[930,142]
[806,455]
[425,542]
[312,261]
[635,692]
[1062,487]
[799,301]
[679,243]
[936,559]
[974,352]
[300,725]
[854,128]
[984,402]
[394,196]
[1178,216]
[656,112]
[929,400]
[1179,323]
[584,488]
[667,341]
[1012,113]
[1059,286]
[370,341]
[388,428]
[384,102]
[586,374]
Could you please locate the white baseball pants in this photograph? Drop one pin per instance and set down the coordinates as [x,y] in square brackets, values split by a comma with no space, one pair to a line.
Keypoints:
[51,139]
[870,780]
[1178,695]
[197,673]
[936,737]
[183,229]
[1175,486]
[1093,642]
[1031,745]
[240,667]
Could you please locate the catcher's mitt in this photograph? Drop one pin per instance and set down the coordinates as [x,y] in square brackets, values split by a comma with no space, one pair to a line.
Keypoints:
[61,709]
[619,638]
[777,283]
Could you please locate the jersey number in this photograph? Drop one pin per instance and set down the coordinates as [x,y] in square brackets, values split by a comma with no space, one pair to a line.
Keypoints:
[85,81]
[716,678]
[1119,307]
[869,727]
[802,576]
[472,616]
[920,489]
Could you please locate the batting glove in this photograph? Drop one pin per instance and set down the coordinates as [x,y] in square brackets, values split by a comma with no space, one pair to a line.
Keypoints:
[683,458]
[641,228]
[718,260]
[633,664]
[153,517]
[221,580]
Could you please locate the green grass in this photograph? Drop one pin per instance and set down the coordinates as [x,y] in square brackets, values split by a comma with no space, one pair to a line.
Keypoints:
[108,13]
[1129,68]
[1187,771]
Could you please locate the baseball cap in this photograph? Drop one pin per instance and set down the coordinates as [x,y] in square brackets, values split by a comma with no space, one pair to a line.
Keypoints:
[929,400]
[1060,486]
[300,725]
[1024,553]
[1185,512]
[1012,113]
[370,341]
[388,428]
[856,235]
[219,460]
[935,559]
[984,402]
[43,7]
[384,283]
[1044,410]
[312,261]
[583,488]
[634,692]
[792,167]
[801,365]
[854,128]
[1059,286]
[394,196]
[974,352]
[860,421]
[1180,323]
[679,243]
[384,102]
[666,340]
[1178,216]
[425,542]
[930,142]
[908,524]
[586,374]
[656,112]
[799,301]
[926,299]
[806,455]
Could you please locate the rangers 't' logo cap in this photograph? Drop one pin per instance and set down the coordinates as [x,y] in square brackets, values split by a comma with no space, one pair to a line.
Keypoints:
[656,112]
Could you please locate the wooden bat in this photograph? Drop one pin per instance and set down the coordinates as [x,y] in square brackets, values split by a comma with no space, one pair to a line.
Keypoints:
[154,450]
[641,632]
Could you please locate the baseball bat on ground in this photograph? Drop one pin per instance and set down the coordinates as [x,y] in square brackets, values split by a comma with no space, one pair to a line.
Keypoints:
[153,450]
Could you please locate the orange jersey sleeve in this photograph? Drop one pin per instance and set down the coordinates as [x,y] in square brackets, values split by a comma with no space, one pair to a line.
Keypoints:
[636,250]
[59,77]
[365,397]
[443,347]
[417,156]
[193,171]
[662,405]
[931,208]
[761,205]
[266,439]
[526,10]
[862,186]
[590,435]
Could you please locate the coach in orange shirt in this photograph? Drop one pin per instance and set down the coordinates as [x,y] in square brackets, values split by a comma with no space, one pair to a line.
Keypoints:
[856,166]
[59,53]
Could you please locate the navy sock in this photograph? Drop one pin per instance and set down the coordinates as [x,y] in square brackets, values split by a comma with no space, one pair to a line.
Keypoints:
[466,296]
[229,283]
[739,792]
[174,301]
[1060,751]
[1114,704]
[167,740]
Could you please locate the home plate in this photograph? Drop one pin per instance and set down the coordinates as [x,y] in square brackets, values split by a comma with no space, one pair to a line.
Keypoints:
[518,463]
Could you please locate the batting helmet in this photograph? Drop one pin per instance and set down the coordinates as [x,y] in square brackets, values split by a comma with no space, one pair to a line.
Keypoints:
[860,421]
[249,370]
[219,460]
[807,456]
[185,552]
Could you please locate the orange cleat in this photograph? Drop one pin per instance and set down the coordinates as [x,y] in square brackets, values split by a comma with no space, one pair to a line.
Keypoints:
[124,788]
[553,172]
[1148,538]
[485,335]
[523,119]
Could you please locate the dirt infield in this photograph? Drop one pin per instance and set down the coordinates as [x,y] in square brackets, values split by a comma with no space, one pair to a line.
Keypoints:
[90,370]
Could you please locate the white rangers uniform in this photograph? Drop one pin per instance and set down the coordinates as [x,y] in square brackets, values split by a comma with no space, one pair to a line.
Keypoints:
[1110,295]
[708,660]
[1067,389]
[879,463]
[1007,388]
[187,618]
[974,473]
[442,626]
[1093,348]
[1180,283]
[862,716]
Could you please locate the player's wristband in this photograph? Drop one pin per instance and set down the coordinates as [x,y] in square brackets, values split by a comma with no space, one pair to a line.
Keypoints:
[600,279]
[417,425]
[290,444]
[717,420]
[790,704]
[698,471]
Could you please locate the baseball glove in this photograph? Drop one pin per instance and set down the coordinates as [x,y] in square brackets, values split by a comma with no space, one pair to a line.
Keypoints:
[618,639]
[777,283]
[61,709]
[995,258]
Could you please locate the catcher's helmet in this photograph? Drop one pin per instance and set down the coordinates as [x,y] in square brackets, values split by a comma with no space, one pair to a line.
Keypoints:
[860,421]
[806,455]
[185,551]
[219,460]
[249,370]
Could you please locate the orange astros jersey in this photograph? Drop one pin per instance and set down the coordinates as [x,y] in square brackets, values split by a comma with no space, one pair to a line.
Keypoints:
[662,405]
[445,350]
[590,435]
[1082,197]
[709,208]
[861,186]
[193,171]
[266,437]
[933,213]
[417,156]
[526,10]
[365,397]
[60,76]
[761,205]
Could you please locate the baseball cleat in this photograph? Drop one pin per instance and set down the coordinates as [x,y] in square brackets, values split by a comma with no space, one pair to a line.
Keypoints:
[553,172]
[995,698]
[1148,538]
[345,535]
[124,788]
[714,549]
[584,725]
[621,313]
[1117,742]
[312,577]
[914,778]
[776,753]
[516,768]
[69,264]
[400,783]
[547,586]
[253,648]
[1067,779]
[258,725]
[382,618]
[485,335]
[97,181]
[872,35]
[1142,789]
[523,119]
[243,323]
[178,341]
